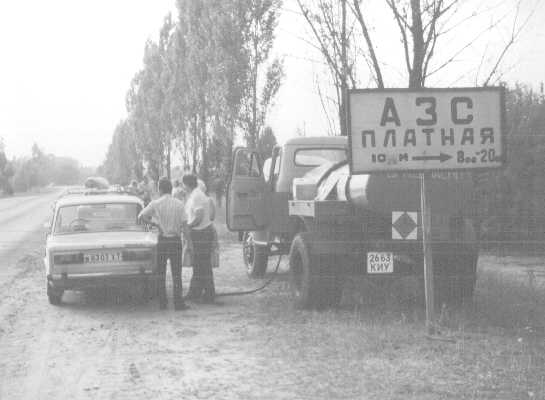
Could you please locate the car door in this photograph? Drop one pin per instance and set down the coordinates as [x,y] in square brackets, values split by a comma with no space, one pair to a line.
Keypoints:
[248,195]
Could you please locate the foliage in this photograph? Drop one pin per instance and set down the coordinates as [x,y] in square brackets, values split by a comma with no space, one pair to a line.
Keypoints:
[262,16]
[514,198]
[6,171]
[344,32]
[197,87]
[122,163]
[43,169]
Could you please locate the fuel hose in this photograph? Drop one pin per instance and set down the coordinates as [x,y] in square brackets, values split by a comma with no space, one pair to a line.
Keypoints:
[258,289]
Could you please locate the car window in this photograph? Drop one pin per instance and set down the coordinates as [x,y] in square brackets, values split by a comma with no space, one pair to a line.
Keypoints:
[98,218]
[317,157]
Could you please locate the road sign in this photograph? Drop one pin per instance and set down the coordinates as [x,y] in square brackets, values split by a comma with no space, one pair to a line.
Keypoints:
[426,129]
[404,225]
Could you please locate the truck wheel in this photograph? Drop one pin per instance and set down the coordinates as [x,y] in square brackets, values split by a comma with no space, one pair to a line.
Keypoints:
[146,290]
[456,278]
[467,277]
[54,295]
[314,280]
[256,257]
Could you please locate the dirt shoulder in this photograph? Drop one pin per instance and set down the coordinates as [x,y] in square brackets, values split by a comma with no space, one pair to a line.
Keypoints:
[254,347]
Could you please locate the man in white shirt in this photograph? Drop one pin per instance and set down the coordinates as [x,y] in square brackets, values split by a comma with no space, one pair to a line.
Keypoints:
[178,191]
[198,212]
[171,219]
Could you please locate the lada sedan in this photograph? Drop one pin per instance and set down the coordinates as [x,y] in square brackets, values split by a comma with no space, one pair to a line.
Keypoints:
[96,241]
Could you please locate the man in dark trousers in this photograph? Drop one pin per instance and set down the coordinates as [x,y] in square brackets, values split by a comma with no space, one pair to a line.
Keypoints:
[198,212]
[169,215]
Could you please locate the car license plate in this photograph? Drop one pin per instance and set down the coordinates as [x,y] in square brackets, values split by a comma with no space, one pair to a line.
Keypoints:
[380,263]
[98,258]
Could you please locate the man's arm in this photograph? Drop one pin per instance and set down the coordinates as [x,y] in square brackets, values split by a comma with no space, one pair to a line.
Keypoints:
[212,209]
[187,235]
[147,213]
[199,215]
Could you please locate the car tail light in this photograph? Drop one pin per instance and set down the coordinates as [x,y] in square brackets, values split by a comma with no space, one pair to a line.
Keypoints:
[71,258]
[137,255]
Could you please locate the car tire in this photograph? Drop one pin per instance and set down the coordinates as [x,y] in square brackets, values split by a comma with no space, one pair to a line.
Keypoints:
[54,295]
[314,281]
[256,257]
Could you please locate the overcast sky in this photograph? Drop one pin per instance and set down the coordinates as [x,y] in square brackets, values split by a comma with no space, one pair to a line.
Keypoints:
[67,64]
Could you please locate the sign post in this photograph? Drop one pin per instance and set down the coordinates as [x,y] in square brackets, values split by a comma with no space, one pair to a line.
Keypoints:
[425,130]
[425,209]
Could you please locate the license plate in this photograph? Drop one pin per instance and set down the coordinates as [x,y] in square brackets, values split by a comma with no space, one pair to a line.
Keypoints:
[380,263]
[99,258]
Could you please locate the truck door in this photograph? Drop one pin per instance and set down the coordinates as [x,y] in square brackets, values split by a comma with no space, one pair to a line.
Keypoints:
[248,195]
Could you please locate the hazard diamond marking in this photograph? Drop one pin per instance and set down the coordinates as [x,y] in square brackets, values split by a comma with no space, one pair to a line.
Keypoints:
[404,225]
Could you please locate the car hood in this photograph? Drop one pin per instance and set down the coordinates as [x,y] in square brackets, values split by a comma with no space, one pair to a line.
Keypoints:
[94,240]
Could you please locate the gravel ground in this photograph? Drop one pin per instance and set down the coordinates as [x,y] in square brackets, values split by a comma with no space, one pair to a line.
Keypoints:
[259,346]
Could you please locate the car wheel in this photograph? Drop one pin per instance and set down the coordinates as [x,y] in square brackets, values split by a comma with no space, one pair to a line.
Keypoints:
[54,295]
[256,257]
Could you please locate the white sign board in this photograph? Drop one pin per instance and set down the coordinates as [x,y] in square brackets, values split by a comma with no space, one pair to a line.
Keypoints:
[428,129]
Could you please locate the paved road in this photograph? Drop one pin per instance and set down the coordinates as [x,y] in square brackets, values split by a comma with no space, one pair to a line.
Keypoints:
[21,218]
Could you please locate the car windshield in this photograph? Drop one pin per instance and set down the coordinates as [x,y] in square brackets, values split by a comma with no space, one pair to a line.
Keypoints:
[98,218]
[316,157]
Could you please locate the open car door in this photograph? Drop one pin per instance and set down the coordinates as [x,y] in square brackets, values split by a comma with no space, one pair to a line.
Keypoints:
[248,195]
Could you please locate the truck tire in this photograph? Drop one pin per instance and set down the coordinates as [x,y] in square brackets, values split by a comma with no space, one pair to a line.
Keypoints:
[54,295]
[256,257]
[314,281]
[456,277]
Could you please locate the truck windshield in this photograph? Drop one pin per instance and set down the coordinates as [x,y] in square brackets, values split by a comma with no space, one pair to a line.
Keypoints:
[98,218]
[316,157]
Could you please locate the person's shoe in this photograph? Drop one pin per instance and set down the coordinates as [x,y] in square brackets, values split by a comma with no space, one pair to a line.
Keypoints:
[181,307]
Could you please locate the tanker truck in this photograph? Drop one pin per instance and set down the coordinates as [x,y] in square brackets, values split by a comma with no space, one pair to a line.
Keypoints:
[303,202]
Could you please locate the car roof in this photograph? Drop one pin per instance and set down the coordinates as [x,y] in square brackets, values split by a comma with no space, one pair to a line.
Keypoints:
[79,199]
[318,140]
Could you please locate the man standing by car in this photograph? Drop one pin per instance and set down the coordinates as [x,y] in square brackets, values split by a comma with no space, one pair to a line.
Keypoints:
[198,211]
[171,219]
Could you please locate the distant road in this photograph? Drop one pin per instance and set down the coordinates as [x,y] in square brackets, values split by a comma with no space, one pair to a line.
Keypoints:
[20,217]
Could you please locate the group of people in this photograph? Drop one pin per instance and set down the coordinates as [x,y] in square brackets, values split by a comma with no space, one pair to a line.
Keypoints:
[184,218]
[144,189]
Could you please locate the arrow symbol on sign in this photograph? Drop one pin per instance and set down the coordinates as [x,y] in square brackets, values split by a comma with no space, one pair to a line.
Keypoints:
[441,157]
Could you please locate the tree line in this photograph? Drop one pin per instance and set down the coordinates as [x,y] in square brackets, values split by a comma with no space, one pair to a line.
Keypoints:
[209,76]
[512,199]
[40,169]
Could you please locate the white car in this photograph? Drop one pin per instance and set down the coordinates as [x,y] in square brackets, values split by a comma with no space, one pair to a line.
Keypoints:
[95,240]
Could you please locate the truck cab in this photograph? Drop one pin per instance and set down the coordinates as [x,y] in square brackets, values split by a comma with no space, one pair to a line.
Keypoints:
[259,193]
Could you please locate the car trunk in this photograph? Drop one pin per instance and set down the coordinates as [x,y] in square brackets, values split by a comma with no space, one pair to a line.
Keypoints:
[102,253]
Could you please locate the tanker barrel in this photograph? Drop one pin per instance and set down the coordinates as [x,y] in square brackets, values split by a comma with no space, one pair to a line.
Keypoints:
[451,192]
